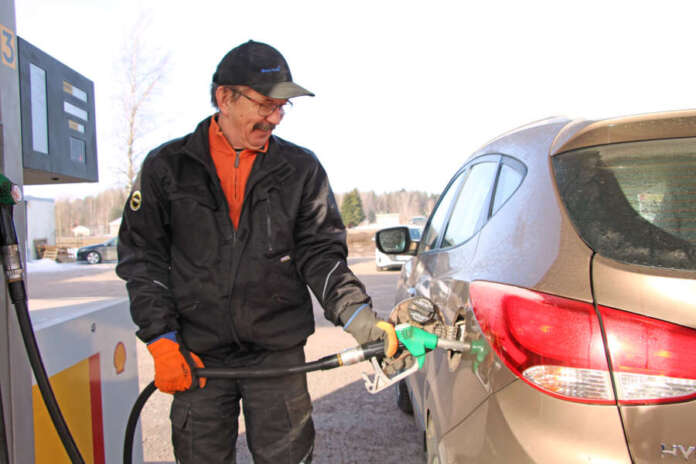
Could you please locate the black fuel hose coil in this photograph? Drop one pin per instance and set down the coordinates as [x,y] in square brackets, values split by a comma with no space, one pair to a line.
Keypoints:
[333,361]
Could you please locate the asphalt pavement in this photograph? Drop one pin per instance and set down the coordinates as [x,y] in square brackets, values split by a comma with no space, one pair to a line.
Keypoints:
[352,425]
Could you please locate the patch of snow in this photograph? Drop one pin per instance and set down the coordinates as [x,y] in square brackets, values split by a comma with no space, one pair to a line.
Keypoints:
[49,265]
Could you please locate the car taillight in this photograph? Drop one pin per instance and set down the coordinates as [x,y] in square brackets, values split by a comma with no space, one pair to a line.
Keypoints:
[653,361]
[552,343]
[555,345]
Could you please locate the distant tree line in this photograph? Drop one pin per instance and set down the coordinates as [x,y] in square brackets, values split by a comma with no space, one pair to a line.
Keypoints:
[357,207]
[95,212]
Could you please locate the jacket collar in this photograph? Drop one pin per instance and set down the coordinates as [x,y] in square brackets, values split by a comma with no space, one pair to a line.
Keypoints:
[273,162]
[197,144]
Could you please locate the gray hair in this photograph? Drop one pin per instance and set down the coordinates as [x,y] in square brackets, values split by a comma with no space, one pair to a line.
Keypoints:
[213,88]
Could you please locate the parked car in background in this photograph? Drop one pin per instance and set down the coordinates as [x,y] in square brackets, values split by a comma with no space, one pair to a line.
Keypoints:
[94,254]
[384,261]
[565,251]
[418,221]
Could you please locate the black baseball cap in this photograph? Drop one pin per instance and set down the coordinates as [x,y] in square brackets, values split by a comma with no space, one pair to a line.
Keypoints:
[260,67]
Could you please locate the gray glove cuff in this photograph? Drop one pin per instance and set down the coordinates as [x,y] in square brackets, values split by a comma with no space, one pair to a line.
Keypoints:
[362,325]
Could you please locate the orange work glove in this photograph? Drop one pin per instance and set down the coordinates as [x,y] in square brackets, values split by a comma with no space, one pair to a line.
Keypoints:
[174,365]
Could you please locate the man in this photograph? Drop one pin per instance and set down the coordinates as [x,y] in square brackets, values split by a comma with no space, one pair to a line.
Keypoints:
[221,235]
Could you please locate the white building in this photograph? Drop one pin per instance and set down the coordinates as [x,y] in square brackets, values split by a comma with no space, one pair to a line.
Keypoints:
[387,219]
[41,223]
[114,226]
[80,231]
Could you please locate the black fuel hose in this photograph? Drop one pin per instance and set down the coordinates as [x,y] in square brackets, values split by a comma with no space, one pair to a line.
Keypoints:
[375,349]
[15,285]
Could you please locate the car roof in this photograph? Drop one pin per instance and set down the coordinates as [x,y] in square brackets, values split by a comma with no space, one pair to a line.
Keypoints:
[558,134]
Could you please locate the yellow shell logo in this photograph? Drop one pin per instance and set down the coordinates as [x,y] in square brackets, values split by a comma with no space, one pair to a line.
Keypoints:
[120,357]
[136,200]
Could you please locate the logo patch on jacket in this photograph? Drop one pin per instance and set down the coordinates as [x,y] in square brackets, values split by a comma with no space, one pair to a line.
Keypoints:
[136,200]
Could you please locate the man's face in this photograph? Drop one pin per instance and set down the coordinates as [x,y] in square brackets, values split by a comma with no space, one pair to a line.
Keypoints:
[246,123]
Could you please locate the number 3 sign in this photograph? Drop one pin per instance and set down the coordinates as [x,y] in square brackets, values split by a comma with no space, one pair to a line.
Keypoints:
[8,47]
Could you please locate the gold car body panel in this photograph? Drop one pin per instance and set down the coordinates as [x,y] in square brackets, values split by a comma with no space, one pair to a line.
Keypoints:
[532,427]
[669,295]
[662,433]
[664,294]
[540,240]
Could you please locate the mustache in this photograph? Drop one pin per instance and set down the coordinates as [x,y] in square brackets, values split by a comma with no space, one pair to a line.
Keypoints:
[264,126]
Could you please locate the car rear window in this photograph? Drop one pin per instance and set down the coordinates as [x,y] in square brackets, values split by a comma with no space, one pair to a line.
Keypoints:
[634,202]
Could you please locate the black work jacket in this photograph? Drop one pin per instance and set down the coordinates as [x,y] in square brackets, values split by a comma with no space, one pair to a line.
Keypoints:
[227,290]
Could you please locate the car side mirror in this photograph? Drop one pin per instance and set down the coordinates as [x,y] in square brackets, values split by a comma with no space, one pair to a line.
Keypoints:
[396,241]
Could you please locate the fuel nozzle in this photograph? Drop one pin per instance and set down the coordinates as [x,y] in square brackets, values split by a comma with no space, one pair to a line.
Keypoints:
[416,342]
[10,195]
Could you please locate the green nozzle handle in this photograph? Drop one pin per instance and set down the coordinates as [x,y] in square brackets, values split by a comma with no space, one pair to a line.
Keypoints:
[9,192]
[416,341]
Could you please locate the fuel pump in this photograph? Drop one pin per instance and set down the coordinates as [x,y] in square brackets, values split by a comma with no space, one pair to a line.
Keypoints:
[14,273]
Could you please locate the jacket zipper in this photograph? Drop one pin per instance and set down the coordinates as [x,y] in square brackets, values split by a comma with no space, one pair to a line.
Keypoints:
[236,171]
[268,226]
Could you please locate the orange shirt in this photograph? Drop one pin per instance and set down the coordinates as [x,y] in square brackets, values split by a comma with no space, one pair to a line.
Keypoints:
[233,168]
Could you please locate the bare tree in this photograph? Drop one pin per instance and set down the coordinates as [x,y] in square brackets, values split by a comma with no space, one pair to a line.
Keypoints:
[94,212]
[142,69]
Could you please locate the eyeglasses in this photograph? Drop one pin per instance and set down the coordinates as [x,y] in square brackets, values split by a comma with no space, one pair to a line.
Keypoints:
[266,109]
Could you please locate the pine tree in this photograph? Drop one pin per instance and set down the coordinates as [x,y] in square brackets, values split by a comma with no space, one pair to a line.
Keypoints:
[351,209]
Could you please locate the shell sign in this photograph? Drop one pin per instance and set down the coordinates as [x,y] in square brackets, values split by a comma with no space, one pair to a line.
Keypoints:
[78,391]
[120,358]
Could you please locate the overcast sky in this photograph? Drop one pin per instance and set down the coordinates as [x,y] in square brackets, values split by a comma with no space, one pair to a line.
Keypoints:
[405,91]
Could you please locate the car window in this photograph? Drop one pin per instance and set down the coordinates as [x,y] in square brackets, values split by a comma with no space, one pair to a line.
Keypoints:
[511,174]
[473,196]
[633,202]
[436,225]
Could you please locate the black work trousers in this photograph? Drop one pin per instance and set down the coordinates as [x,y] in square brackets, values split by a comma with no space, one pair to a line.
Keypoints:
[277,414]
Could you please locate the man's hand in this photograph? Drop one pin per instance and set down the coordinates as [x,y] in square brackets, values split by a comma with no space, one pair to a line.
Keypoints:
[364,325]
[174,365]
